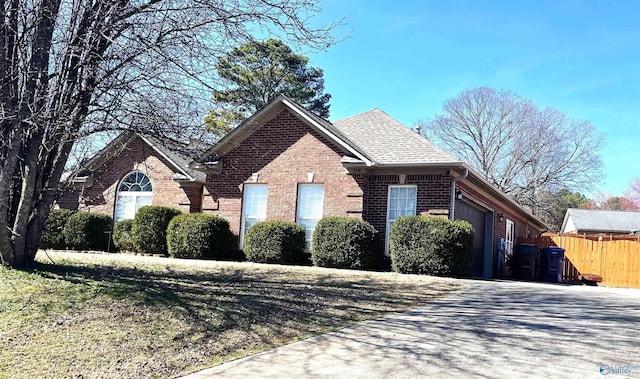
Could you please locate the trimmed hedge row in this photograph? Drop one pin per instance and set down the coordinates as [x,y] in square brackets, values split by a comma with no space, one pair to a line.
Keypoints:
[198,235]
[52,234]
[87,231]
[190,236]
[432,246]
[149,230]
[275,242]
[122,238]
[343,242]
[418,244]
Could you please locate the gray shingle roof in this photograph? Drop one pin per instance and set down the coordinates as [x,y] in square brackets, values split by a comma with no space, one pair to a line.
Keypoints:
[388,142]
[603,221]
[181,153]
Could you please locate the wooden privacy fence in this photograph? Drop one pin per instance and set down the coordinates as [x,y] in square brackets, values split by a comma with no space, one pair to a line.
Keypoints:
[615,258]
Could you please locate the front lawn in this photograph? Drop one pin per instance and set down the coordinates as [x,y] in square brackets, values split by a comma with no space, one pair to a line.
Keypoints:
[100,315]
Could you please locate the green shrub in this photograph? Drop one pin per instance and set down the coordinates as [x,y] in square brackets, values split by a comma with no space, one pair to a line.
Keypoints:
[198,235]
[275,242]
[461,241]
[149,229]
[343,242]
[52,233]
[88,231]
[122,238]
[432,246]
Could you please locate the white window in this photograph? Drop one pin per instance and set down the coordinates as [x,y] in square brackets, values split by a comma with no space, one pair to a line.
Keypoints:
[509,237]
[134,192]
[310,202]
[254,207]
[401,202]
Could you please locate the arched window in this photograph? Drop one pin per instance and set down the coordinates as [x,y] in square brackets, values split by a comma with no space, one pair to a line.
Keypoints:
[135,191]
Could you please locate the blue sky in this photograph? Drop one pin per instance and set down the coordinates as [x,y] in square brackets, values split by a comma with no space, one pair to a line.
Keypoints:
[408,57]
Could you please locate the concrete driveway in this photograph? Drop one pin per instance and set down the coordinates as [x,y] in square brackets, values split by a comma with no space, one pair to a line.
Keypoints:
[488,330]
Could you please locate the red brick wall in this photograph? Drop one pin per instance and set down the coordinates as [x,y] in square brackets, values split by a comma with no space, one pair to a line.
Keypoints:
[69,199]
[282,152]
[193,191]
[500,229]
[432,194]
[100,197]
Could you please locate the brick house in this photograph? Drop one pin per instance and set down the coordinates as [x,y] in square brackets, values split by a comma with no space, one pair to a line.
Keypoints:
[286,163]
[136,170]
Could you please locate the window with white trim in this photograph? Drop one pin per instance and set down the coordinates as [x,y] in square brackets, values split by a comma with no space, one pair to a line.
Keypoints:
[400,202]
[134,192]
[310,204]
[509,238]
[254,207]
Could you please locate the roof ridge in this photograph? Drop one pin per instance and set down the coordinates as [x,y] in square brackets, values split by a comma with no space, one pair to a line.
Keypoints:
[604,210]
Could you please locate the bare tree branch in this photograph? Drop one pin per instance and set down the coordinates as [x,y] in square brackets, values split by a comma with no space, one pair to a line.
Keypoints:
[522,150]
[75,67]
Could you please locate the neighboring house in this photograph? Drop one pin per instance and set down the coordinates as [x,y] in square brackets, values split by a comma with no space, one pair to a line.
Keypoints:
[596,221]
[286,163]
[135,170]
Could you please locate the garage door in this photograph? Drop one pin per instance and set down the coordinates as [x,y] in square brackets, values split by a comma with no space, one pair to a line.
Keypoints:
[475,217]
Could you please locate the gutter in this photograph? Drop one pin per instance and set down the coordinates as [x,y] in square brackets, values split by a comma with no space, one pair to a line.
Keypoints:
[452,195]
[499,195]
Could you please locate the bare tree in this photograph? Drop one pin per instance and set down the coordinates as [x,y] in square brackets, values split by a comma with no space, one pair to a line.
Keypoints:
[633,192]
[74,67]
[521,149]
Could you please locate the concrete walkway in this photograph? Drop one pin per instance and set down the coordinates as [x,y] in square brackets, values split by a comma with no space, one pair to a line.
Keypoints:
[488,330]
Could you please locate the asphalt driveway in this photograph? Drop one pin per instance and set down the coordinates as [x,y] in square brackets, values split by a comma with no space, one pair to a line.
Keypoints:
[488,330]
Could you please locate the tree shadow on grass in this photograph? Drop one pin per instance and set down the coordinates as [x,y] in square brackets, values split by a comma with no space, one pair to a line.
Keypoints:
[260,307]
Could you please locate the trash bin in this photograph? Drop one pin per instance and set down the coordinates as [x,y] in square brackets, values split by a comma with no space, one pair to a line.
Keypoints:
[526,259]
[552,264]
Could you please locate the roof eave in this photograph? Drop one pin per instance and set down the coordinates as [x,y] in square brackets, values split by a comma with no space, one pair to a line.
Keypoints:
[120,142]
[82,181]
[455,164]
[185,180]
[165,156]
[354,165]
[504,197]
[603,231]
[206,167]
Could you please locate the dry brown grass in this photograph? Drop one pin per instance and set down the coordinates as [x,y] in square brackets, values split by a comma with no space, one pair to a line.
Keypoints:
[93,315]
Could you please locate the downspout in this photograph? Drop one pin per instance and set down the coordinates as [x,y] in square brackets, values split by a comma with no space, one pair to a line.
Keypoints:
[452,196]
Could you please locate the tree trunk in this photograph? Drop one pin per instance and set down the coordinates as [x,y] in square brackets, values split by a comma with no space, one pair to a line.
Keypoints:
[113,58]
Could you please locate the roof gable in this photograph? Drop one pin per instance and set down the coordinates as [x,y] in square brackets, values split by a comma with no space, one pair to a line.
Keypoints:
[177,154]
[272,110]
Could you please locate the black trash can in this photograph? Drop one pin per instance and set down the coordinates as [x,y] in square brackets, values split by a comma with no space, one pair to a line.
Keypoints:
[526,261]
[552,264]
